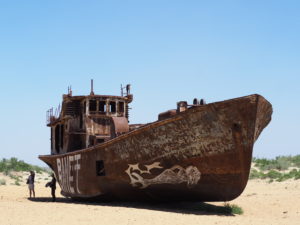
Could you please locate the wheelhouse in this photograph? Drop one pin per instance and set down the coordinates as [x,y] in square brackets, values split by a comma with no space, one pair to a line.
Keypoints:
[84,121]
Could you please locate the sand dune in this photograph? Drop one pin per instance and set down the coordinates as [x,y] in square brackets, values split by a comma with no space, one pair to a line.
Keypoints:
[262,202]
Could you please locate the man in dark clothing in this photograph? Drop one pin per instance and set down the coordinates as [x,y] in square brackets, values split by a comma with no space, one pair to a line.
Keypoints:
[52,185]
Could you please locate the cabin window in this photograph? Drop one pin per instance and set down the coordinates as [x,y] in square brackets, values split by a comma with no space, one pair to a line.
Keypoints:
[91,141]
[75,142]
[112,106]
[99,140]
[100,171]
[102,106]
[121,106]
[69,108]
[76,107]
[92,105]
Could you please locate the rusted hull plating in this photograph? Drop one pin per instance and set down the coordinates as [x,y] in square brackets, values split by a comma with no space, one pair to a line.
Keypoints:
[202,154]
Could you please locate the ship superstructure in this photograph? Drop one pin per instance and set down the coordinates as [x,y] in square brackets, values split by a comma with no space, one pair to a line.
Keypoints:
[84,121]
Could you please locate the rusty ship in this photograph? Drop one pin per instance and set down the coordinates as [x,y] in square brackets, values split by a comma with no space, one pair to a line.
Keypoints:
[196,152]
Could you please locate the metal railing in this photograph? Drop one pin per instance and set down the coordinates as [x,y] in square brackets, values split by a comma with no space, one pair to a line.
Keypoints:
[52,115]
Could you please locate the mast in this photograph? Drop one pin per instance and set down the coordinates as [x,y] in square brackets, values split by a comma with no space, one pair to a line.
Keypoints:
[92,87]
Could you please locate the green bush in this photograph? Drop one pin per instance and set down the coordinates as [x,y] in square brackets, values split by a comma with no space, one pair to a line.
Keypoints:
[283,162]
[296,161]
[13,164]
[273,174]
[234,209]
[271,168]
[255,174]
[279,163]
[297,175]
[226,209]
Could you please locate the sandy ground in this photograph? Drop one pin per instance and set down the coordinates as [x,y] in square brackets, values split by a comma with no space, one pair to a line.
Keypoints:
[262,202]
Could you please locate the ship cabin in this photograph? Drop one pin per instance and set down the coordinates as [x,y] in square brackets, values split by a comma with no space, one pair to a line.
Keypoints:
[84,121]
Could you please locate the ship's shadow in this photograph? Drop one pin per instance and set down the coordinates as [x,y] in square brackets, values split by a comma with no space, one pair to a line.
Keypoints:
[196,208]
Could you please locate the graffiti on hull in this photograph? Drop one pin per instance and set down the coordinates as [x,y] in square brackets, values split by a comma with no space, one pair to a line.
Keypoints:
[67,169]
[174,175]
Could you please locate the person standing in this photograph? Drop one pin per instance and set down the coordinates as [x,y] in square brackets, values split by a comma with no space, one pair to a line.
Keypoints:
[52,185]
[30,182]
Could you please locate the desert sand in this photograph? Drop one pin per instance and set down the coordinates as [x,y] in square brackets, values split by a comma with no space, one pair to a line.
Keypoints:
[262,202]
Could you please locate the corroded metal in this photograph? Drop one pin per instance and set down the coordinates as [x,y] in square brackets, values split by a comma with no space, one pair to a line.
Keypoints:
[201,153]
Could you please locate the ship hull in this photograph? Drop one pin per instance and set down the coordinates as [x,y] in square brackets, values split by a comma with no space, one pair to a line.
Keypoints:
[202,154]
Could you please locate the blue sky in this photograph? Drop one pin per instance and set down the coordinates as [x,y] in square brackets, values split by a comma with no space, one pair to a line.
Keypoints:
[167,50]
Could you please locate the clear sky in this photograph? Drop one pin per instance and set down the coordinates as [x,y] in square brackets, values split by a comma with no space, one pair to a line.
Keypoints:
[167,50]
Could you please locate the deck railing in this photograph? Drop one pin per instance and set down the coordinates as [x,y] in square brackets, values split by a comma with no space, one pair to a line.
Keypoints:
[52,115]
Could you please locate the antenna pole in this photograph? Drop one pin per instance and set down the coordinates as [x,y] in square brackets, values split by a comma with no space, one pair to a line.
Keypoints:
[92,87]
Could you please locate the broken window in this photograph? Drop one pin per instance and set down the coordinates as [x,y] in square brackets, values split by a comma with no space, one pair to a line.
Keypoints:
[99,140]
[102,106]
[76,142]
[100,171]
[112,106]
[73,108]
[121,106]
[91,140]
[92,105]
